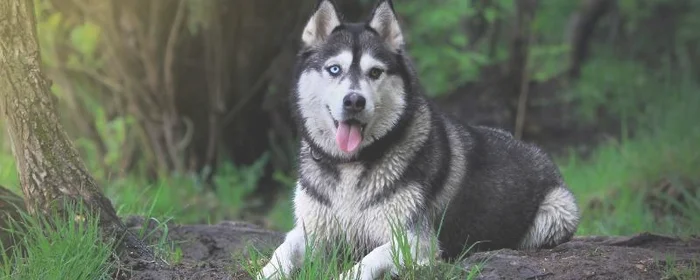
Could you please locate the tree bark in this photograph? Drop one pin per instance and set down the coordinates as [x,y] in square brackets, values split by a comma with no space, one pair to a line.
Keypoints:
[520,41]
[49,166]
[518,75]
[581,26]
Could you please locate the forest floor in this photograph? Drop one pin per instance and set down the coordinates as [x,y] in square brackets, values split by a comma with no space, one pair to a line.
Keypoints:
[220,251]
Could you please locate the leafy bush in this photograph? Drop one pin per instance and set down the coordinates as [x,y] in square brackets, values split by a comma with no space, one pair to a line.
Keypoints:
[437,39]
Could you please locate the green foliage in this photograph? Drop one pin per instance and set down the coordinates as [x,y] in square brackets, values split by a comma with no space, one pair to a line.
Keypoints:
[185,198]
[69,249]
[551,20]
[281,216]
[438,42]
[114,133]
[81,43]
[549,51]
[637,11]
[84,38]
[199,13]
[678,33]
[160,244]
[615,185]
[688,25]
[623,87]
[547,61]
[674,269]
[234,184]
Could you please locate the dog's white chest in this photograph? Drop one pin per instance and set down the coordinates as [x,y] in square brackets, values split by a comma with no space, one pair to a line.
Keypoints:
[346,217]
[347,206]
[348,195]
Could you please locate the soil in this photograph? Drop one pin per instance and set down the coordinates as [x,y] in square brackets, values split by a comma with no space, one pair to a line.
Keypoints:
[215,252]
[642,256]
[208,251]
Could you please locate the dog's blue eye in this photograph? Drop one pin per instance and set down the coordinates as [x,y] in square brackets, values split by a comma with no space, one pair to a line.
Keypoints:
[334,70]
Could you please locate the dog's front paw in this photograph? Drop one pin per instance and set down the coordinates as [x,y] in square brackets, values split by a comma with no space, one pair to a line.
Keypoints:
[355,273]
[348,275]
[269,272]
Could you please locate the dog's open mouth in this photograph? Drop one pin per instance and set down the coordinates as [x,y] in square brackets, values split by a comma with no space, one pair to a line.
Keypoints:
[348,133]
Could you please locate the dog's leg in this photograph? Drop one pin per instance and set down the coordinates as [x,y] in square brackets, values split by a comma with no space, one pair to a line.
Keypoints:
[287,257]
[381,260]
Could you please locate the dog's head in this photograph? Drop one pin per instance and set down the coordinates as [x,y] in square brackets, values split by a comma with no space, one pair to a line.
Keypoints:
[351,87]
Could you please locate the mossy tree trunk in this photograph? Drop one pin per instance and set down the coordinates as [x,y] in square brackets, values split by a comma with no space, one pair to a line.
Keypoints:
[49,166]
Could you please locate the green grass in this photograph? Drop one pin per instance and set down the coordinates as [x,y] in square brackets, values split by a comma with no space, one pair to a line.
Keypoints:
[54,248]
[185,198]
[674,269]
[622,174]
[70,249]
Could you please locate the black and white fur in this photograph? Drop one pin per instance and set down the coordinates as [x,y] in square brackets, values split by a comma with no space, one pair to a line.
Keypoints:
[415,167]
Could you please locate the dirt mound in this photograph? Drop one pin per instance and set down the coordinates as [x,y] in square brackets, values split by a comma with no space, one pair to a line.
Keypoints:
[643,256]
[208,253]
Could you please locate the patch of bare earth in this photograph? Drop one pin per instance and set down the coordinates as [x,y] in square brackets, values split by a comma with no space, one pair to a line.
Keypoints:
[215,251]
[208,251]
[642,256]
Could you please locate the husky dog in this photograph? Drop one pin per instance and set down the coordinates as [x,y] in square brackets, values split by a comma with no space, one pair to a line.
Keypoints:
[375,153]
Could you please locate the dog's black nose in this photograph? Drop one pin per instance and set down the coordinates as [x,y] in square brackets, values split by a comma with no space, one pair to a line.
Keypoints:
[354,102]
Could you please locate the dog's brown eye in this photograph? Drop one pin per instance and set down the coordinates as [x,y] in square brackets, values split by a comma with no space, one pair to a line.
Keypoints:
[374,73]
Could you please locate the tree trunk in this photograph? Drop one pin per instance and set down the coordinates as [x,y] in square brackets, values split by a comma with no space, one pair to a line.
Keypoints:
[581,27]
[50,168]
[520,40]
[518,72]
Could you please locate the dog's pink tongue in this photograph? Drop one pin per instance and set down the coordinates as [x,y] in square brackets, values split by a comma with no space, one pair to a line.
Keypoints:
[348,136]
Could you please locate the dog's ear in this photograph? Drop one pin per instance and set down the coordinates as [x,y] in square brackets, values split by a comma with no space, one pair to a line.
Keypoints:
[321,23]
[385,22]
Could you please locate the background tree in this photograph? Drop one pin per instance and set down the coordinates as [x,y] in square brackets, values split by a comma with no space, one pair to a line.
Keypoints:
[50,169]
